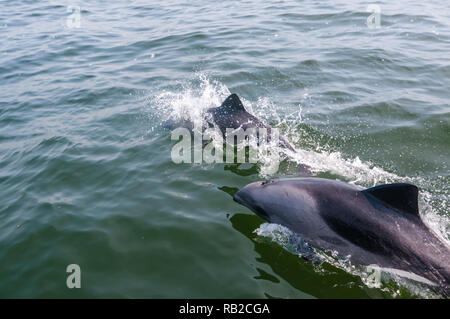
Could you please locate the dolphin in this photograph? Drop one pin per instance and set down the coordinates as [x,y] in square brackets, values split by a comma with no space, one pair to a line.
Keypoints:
[231,114]
[376,226]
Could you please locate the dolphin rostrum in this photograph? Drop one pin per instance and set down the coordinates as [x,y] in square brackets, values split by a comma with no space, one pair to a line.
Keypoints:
[376,226]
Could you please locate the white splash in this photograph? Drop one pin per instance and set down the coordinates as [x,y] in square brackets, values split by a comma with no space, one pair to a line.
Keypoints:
[191,101]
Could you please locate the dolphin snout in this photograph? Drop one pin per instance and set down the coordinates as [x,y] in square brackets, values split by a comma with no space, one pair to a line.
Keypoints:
[244,195]
[238,199]
[248,197]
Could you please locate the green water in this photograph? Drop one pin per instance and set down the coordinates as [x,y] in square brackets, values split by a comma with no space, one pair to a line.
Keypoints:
[86,175]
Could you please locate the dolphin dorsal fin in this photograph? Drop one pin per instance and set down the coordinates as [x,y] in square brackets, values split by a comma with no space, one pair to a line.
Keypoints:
[401,196]
[233,102]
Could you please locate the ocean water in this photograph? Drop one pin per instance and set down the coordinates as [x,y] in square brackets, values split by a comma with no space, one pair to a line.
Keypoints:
[86,175]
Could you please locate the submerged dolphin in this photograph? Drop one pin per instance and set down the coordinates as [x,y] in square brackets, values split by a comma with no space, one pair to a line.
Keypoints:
[376,226]
[233,115]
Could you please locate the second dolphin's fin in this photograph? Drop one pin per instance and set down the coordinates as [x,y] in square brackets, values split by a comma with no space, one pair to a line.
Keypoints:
[233,102]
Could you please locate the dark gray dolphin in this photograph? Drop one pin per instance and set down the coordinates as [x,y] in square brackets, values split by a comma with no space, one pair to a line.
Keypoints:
[233,115]
[376,226]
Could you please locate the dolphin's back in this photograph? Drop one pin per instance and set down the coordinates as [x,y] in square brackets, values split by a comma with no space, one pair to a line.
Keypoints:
[381,226]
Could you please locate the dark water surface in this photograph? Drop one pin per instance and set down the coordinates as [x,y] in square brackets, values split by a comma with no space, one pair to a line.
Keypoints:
[85,170]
